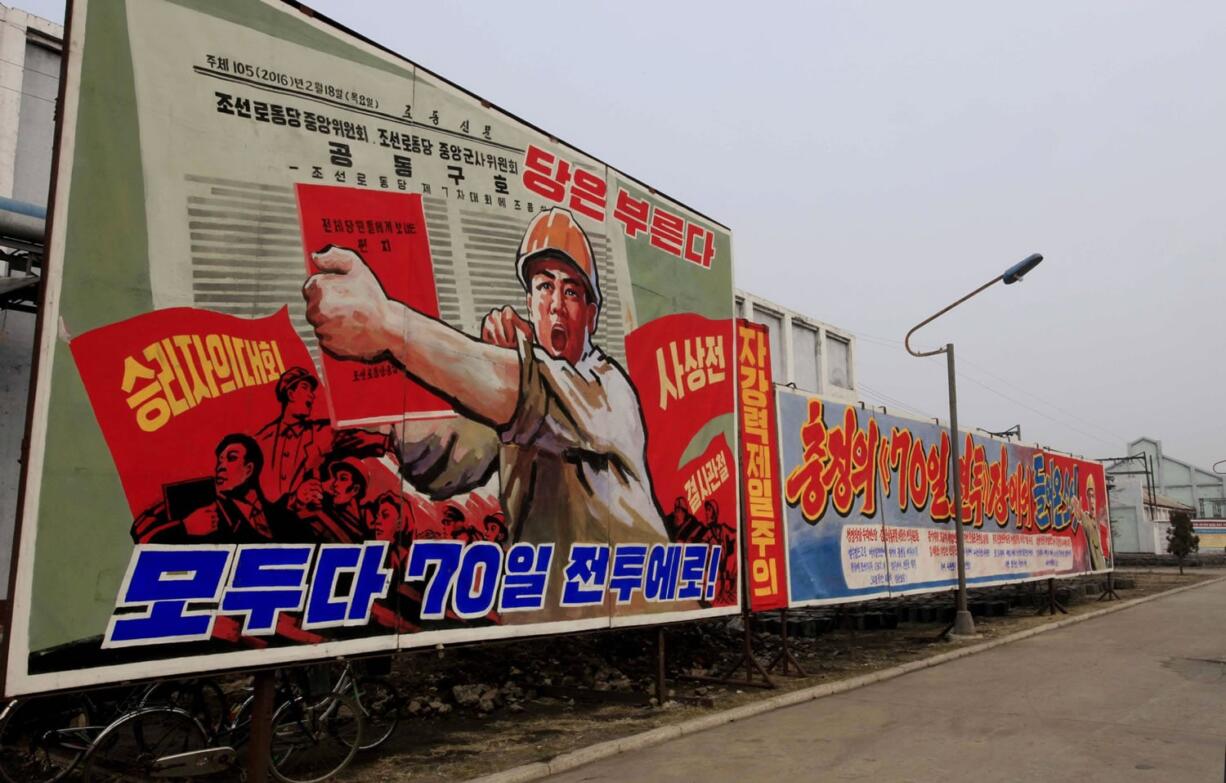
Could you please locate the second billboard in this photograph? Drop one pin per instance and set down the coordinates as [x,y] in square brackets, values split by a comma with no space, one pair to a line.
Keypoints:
[868,506]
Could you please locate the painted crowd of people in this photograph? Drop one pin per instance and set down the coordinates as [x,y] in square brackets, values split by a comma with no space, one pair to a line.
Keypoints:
[298,479]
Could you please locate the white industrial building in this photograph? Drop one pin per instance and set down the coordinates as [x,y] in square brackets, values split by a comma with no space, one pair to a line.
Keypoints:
[1148,485]
[809,354]
[29,85]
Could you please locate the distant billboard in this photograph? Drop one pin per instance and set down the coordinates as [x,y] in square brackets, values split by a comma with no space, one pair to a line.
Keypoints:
[1212,533]
[336,357]
[868,501]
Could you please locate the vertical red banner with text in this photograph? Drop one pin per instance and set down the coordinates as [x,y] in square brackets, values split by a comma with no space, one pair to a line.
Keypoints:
[765,548]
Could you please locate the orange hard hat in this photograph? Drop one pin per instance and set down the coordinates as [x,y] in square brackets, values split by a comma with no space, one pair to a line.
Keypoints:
[555,234]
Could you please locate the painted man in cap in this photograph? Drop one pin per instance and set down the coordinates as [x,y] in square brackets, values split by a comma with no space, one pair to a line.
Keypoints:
[296,446]
[1088,522]
[344,491]
[540,404]
[331,509]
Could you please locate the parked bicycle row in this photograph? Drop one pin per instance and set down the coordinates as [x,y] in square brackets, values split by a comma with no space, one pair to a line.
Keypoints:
[200,728]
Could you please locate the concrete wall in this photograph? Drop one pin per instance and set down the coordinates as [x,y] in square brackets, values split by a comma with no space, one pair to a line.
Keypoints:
[1135,526]
[29,80]
[792,343]
[29,83]
[1130,527]
[16,350]
[36,131]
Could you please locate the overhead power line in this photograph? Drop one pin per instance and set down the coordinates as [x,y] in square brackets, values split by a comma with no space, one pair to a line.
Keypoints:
[1073,422]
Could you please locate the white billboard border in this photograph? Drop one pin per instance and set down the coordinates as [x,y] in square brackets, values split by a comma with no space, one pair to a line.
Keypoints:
[17,680]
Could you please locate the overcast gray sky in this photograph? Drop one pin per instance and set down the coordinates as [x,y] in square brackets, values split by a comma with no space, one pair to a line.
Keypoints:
[877,160]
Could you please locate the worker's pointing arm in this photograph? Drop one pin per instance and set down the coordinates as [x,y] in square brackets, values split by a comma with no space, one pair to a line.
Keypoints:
[354,319]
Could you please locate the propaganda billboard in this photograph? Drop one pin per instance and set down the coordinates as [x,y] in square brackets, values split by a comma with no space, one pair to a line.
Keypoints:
[868,505]
[1212,533]
[337,357]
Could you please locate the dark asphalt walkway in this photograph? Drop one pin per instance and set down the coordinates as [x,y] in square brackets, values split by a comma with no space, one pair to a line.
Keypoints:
[1138,695]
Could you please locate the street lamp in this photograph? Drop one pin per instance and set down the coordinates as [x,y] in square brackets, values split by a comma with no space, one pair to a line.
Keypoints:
[963,624]
[1013,432]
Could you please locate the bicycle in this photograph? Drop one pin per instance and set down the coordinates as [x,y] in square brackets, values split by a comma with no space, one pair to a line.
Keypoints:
[153,742]
[204,699]
[312,740]
[43,738]
[379,700]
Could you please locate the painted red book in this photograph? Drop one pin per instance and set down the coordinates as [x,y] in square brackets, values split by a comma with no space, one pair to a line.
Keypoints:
[388,230]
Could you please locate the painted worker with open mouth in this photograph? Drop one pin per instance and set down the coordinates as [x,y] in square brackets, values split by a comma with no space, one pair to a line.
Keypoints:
[551,413]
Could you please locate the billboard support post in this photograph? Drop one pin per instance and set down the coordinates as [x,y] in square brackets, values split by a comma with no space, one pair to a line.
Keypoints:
[746,658]
[785,658]
[661,661]
[1053,603]
[260,749]
[1109,594]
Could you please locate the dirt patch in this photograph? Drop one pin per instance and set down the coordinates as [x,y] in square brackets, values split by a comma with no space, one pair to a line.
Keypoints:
[472,711]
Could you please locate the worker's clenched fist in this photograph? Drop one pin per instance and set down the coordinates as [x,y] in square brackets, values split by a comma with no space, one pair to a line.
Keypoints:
[351,313]
[501,325]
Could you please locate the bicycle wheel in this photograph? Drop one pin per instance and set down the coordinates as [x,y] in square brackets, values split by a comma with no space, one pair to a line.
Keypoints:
[43,739]
[131,748]
[312,741]
[202,699]
[380,702]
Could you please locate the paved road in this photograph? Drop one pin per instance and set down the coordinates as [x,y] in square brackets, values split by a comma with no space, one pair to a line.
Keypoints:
[1138,695]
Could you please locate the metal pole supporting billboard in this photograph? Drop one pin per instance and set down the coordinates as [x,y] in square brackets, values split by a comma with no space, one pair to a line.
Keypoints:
[260,747]
[963,624]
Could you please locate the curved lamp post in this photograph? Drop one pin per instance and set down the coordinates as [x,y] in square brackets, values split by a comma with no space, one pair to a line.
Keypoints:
[963,624]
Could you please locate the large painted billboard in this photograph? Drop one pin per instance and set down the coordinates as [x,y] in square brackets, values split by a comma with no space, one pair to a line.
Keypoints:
[336,358]
[869,510]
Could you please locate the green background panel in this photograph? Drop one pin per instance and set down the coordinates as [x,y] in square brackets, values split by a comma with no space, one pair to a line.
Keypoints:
[665,284]
[84,521]
[83,543]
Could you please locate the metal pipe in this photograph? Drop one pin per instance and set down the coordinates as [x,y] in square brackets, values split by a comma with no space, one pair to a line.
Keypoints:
[907,340]
[23,208]
[22,226]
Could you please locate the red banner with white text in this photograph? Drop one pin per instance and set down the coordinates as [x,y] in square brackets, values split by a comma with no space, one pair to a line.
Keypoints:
[763,523]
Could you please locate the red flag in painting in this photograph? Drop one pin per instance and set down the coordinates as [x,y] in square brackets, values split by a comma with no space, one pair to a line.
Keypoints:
[683,372]
[167,385]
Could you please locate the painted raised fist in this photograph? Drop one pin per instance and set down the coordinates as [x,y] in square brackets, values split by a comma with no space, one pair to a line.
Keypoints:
[500,326]
[351,313]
